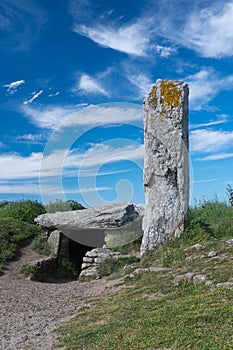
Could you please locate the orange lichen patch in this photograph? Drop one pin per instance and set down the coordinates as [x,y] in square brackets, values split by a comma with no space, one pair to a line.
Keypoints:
[170,94]
[153,96]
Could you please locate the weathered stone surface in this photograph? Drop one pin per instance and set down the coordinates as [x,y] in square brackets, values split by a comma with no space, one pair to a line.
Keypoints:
[212,254]
[54,242]
[199,278]
[107,216]
[196,246]
[229,241]
[224,284]
[166,171]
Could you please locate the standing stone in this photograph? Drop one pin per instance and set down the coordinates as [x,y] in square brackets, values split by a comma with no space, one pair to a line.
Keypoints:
[166,169]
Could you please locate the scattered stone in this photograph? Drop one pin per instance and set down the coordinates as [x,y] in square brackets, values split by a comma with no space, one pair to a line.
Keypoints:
[230,241]
[224,284]
[148,269]
[212,254]
[195,246]
[199,278]
[209,283]
[166,165]
[189,276]
[89,272]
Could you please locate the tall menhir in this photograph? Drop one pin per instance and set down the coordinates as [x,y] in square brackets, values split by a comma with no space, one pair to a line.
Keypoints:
[166,167]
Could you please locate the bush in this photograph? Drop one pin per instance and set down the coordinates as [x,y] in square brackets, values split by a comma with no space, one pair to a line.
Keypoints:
[12,232]
[24,210]
[60,205]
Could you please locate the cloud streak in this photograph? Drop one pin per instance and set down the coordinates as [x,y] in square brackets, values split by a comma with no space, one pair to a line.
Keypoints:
[12,87]
[89,85]
[35,95]
[206,140]
[205,85]
[53,117]
[130,39]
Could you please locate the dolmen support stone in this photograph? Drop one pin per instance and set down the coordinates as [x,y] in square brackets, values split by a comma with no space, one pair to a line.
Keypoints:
[166,165]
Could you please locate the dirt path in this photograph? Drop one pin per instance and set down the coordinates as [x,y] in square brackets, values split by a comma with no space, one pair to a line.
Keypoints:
[30,311]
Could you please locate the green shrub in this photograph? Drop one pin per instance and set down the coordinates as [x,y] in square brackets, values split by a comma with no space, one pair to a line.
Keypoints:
[40,244]
[60,205]
[24,210]
[109,266]
[12,232]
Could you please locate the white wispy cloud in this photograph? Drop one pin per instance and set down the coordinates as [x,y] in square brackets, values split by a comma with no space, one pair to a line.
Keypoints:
[90,85]
[203,181]
[220,119]
[205,85]
[35,95]
[13,86]
[20,174]
[165,51]
[13,166]
[209,31]
[54,94]
[27,187]
[216,157]
[204,27]
[53,117]
[206,140]
[141,81]
[104,153]
[31,138]
[130,39]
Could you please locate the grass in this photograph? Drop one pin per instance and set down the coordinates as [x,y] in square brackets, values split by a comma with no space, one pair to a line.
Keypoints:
[163,310]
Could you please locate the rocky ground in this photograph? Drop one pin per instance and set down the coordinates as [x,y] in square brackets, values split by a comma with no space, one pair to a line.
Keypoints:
[30,311]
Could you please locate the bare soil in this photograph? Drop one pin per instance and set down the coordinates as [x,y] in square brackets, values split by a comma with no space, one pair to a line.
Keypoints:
[30,311]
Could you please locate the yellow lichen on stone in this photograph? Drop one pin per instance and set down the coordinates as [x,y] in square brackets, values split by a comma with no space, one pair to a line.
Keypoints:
[170,94]
[153,96]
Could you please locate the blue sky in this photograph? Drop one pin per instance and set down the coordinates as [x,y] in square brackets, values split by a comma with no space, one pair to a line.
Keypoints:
[73,78]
